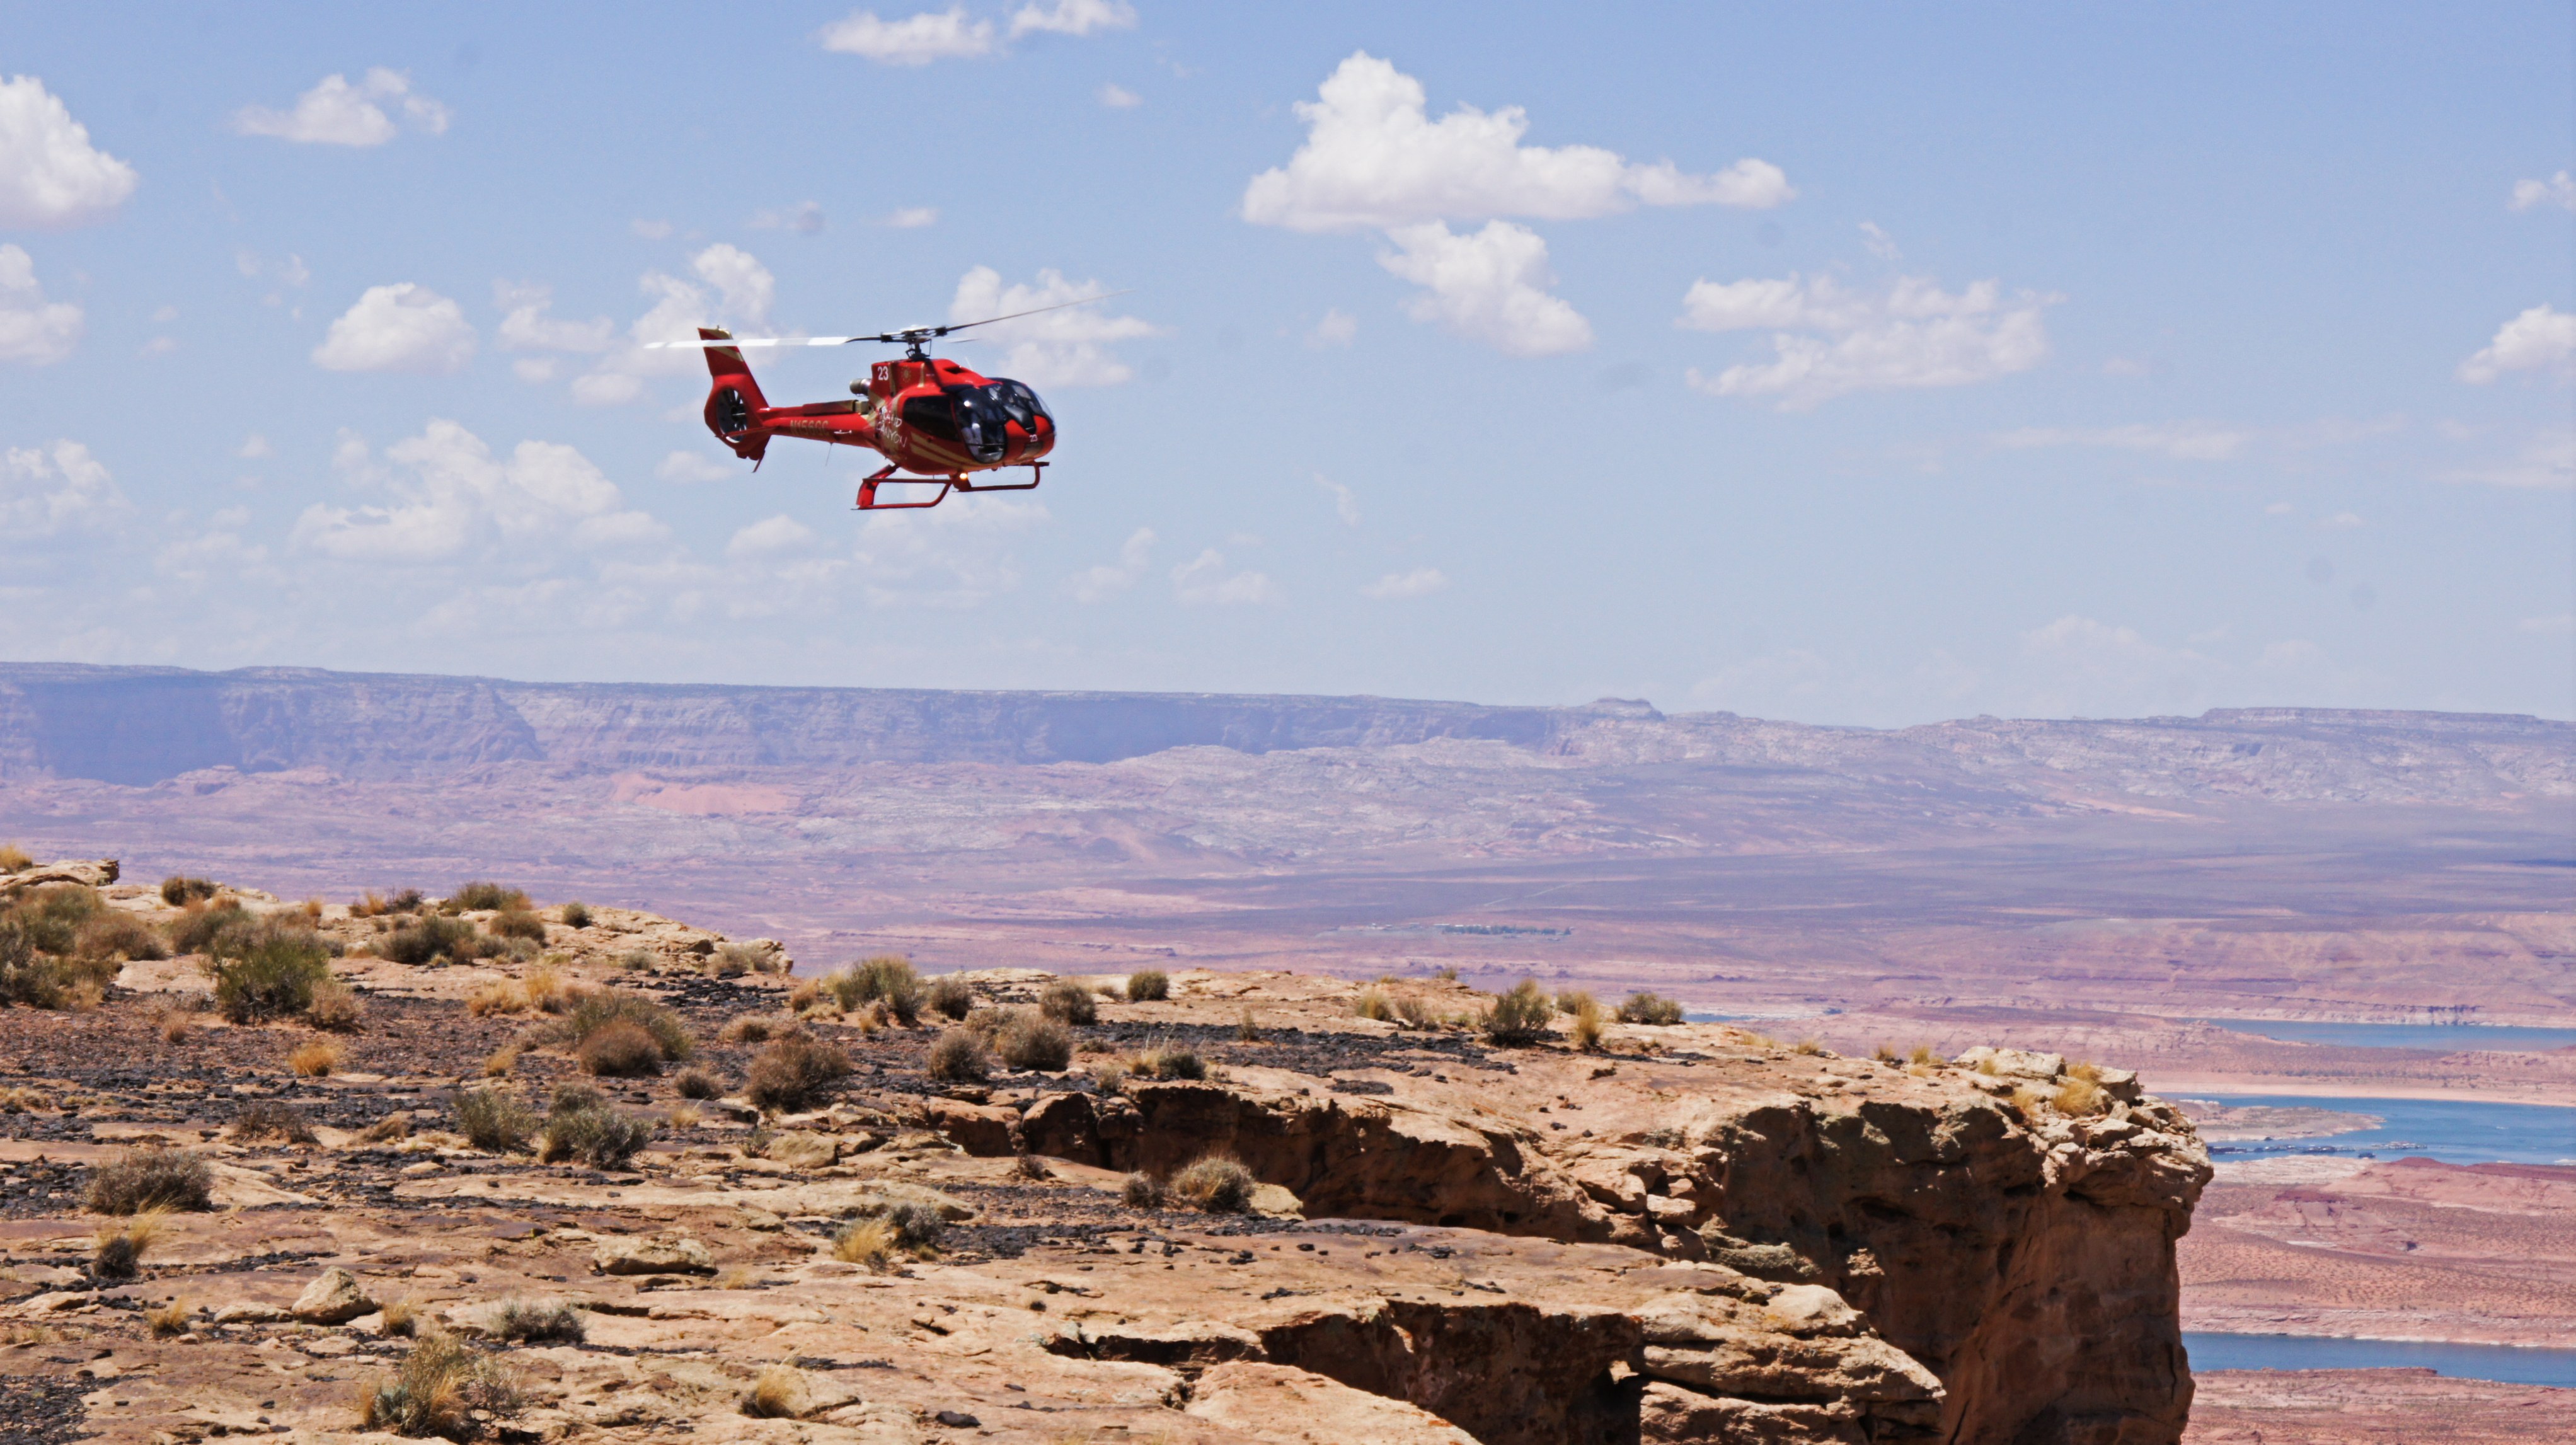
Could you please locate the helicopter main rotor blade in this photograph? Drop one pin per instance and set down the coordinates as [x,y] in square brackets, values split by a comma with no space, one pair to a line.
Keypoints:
[760,341]
[1032,311]
[908,334]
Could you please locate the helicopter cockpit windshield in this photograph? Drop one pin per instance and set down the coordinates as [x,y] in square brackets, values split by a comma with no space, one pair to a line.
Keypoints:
[984,412]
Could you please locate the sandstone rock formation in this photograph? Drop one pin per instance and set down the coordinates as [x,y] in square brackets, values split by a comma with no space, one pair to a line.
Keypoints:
[1692,1233]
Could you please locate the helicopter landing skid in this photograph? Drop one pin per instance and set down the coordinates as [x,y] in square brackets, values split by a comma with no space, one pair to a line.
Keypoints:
[954,481]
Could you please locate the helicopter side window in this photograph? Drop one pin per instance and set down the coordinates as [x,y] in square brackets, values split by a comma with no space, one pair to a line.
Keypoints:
[931,416]
[980,422]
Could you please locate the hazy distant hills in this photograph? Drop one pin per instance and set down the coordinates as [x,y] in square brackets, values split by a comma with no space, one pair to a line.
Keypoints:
[142,725]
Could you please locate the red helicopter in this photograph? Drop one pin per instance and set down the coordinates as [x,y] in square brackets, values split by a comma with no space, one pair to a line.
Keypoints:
[923,413]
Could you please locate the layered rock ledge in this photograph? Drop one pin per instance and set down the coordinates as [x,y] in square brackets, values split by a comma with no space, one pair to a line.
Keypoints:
[1689,1233]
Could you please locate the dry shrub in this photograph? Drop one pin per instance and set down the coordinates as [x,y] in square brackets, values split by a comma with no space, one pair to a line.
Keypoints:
[431,939]
[792,1072]
[336,1007]
[1924,1056]
[518,923]
[869,1243]
[14,859]
[1589,1017]
[1165,1061]
[1215,1183]
[396,1125]
[1249,1030]
[173,1018]
[1886,1053]
[118,936]
[1519,1017]
[1646,1008]
[886,977]
[1030,1166]
[756,1029]
[574,913]
[1031,1040]
[270,1119]
[402,1317]
[2080,1096]
[493,1120]
[268,970]
[619,1049]
[500,996]
[598,1008]
[2029,1101]
[120,1245]
[1572,1000]
[440,1390]
[776,1393]
[1110,1075]
[1809,1046]
[555,1322]
[1144,1191]
[1068,1002]
[582,1126]
[151,1179]
[959,1058]
[169,1320]
[501,1062]
[737,958]
[683,1116]
[1373,1003]
[698,1084]
[917,1227]
[179,891]
[314,1059]
[1148,985]
[1411,1008]
[480,897]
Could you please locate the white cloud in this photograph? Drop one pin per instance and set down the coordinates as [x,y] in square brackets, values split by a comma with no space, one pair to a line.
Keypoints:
[649,230]
[687,467]
[1203,580]
[2543,337]
[1374,159]
[805,218]
[253,448]
[338,113]
[527,327]
[33,330]
[1338,328]
[1914,335]
[1420,582]
[2189,441]
[913,218]
[781,533]
[1096,584]
[1059,348]
[1490,286]
[1074,17]
[536,370]
[1345,506]
[402,327]
[744,290]
[946,557]
[50,175]
[1878,243]
[2559,190]
[745,284]
[450,495]
[1118,97]
[2547,462]
[919,40]
[45,491]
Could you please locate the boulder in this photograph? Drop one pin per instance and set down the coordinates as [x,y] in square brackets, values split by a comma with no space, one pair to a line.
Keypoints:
[983,1130]
[1261,1400]
[245,1312]
[803,1149]
[88,873]
[636,1254]
[333,1298]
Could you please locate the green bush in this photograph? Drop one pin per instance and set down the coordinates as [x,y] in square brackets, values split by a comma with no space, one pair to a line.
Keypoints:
[884,977]
[52,916]
[118,936]
[485,898]
[1148,985]
[1646,1008]
[151,1179]
[518,923]
[34,981]
[1519,1017]
[1031,1040]
[582,1126]
[431,939]
[1068,1002]
[619,1049]
[959,1058]
[493,1120]
[792,1072]
[273,976]
[196,930]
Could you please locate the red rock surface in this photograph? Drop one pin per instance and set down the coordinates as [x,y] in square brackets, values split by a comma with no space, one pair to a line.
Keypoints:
[2374,1407]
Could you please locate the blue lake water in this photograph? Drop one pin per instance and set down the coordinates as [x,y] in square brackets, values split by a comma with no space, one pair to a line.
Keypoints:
[2307,1352]
[2449,1038]
[2455,1132]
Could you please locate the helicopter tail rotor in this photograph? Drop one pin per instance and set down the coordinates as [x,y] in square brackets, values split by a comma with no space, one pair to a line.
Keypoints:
[734,398]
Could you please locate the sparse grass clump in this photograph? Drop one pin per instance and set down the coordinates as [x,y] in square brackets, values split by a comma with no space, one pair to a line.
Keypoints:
[1519,1017]
[1216,1184]
[1642,1007]
[1248,1029]
[885,978]
[600,1008]
[959,1058]
[434,939]
[151,1179]
[268,972]
[619,1049]
[575,914]
[553,1322]
[697,1084]
[440,1391]
[2079,1096]
[500,996]
[402,1318]
[179,891]
[775,1393]
[1143,1191]
[1031,1040]
[868,1243]
[481,897]
[1924,1057]
[518,923]
[14,858]
[314,1059]
[1372,1003]
[335,1006]
[118,1254]
[1148,985]
[114,936]
[793,1072]
[1572,1000]
[1411,1008]
[393,1126]
[493,1120]
[1589,1017]
[1809,1046]
[582,1126]
[1068,1002]
[950,995]
[756,1029]
[1164,1061]
[169,1320]
[270,1119]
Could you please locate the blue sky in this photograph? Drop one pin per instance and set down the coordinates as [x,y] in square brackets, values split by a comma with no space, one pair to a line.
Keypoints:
[1845,364]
